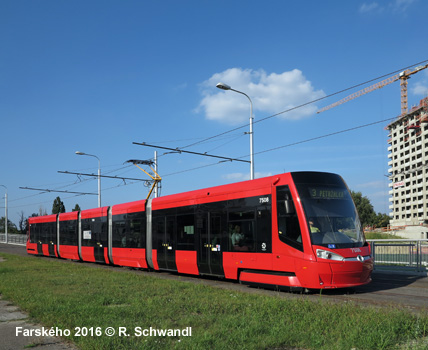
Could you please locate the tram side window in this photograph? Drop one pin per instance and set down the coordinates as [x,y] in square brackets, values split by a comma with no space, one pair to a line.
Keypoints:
[43,233]
[158,231]
[129,230]
[170,230]
[219,236]
[119,231]
[136,224]
[68,232]
[94,231]
[288,223]
[241,231]
[87,233]
[34,233]
[47,232]
[186,232]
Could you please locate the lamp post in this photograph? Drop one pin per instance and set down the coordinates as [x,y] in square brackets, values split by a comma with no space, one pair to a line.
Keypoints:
[99,174]
[5,213]
[223,86]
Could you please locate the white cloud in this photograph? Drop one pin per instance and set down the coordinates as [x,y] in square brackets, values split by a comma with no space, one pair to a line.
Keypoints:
[270,94]
[366,8]
[181,86]
[396,6]
[421,87]
[401,5]
[373,184]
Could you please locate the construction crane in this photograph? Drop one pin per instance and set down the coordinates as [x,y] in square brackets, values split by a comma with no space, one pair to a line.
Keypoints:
[403,77]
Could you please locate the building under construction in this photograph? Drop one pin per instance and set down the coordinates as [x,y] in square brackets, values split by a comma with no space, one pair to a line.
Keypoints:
[408,170]
[408,159]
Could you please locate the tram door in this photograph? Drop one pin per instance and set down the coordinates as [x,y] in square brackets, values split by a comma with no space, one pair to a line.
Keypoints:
[99,252]
[164,231]
[38,237]
[52,238]
[211,229]
[95,236]
[39,247]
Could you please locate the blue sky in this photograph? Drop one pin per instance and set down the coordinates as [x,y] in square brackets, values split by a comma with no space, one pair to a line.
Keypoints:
[96,76]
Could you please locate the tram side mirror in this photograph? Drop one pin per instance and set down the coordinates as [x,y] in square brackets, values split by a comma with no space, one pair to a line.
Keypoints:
[289,206]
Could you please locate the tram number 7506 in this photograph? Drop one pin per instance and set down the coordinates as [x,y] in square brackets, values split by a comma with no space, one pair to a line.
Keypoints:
[264,200]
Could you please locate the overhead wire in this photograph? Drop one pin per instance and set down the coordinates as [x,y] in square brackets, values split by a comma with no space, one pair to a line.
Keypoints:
[73,184]
[209,139]
[224,144]
[260,152]
[291,144]
[306,103]
[323,136]
[233,137]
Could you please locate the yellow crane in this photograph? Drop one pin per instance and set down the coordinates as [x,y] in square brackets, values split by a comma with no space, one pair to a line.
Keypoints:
[403,77]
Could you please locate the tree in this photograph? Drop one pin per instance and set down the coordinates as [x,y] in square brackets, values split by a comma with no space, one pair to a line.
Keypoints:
[26,222]
[382,220]
[76,208]
[42,211]
[364,208]
[11,227]
[58,206]
[367,215]
[22,222]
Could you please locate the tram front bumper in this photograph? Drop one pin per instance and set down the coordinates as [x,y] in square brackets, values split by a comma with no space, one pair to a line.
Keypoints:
[348,273]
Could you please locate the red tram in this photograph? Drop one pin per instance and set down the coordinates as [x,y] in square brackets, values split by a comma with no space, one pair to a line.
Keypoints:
[298,229]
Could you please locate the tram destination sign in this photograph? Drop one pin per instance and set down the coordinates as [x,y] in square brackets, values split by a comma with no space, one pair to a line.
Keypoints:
[327,193]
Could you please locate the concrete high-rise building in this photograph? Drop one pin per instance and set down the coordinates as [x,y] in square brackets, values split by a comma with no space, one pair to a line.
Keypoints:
[408,170]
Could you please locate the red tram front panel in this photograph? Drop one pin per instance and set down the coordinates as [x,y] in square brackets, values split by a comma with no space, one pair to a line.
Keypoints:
[68,246]
[43,235]
[335,253]
[94,235]
[129,234]
[354,269]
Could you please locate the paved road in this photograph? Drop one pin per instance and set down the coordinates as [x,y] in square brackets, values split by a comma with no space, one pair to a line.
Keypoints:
[387,289]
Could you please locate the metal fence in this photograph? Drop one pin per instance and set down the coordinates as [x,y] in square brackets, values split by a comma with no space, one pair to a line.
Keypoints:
[13,238]
[400,254]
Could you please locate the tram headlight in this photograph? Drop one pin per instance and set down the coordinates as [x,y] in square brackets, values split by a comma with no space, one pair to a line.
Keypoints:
[325,254]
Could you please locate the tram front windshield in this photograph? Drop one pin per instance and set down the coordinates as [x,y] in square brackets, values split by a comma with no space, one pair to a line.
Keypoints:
[330,212]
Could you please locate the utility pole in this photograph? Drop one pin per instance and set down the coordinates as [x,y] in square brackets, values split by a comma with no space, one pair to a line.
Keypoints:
[5,214]
[99,173]
[156,171]
[226,87]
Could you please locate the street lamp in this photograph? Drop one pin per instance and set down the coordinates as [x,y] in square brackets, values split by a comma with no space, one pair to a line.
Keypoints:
[223,86]
[5,213]
[99,174]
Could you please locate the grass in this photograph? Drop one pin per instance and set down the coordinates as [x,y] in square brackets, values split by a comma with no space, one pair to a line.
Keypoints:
[69,295]
[379,235]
